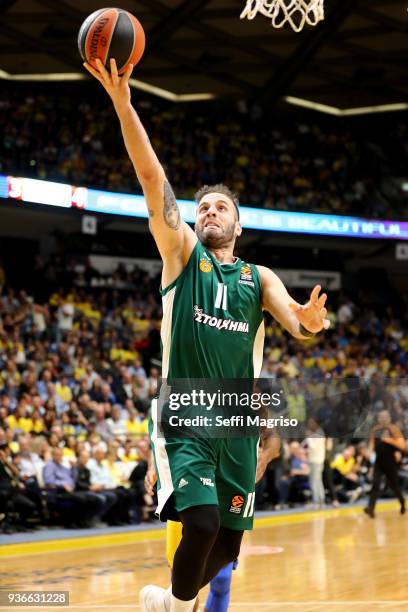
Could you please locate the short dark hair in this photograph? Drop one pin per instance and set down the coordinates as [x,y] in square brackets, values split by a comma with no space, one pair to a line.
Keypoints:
[219,188]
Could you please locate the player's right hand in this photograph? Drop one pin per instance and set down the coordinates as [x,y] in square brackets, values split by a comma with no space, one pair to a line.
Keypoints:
[150,480]
[116,86]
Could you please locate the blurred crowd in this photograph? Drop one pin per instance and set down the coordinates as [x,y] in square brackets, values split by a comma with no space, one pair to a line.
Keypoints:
[78,370]
[314,164]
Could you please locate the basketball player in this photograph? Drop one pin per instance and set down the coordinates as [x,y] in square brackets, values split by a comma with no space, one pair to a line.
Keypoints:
[212,328]
[386,440]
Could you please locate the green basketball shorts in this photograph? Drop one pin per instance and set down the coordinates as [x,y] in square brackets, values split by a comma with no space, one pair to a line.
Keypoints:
[197,471]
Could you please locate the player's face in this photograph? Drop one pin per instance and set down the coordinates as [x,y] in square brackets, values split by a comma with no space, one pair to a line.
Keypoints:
[216,222]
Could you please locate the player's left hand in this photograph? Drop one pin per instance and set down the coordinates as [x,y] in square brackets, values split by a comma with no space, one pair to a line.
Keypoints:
[313,314]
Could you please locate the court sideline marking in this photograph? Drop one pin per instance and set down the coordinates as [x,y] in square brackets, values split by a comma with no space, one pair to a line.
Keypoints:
[125,538]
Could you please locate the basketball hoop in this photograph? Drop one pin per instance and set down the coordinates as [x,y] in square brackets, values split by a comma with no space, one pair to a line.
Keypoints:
[297,13]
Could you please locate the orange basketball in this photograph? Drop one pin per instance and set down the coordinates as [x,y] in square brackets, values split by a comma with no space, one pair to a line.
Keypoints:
[111,33]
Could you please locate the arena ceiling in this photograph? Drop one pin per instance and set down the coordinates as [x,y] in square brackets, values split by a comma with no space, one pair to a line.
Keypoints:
[356,57]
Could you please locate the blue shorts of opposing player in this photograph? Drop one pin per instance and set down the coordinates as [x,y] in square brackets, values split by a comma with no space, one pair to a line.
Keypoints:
[220,590]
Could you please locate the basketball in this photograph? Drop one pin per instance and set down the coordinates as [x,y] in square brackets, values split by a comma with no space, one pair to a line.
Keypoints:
[111,33]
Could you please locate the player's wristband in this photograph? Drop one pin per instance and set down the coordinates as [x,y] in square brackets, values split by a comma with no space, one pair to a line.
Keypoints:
[305,332]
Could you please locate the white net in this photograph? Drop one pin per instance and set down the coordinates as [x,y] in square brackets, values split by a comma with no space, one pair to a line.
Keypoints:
[296,13]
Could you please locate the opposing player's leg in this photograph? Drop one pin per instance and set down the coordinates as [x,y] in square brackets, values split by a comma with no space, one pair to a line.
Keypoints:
[220,590]
[173,538]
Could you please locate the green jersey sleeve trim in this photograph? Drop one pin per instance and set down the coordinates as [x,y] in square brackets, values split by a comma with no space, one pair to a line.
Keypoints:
[182,273]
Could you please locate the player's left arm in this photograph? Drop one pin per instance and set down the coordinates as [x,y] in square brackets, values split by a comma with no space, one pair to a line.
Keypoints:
[294,317]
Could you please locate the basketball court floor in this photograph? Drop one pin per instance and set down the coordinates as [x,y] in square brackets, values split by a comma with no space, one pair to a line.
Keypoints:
[309,561]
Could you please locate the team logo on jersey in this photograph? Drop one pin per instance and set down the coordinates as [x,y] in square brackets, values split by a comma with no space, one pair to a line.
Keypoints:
[228,324]
[205,265]
[246,276]
[237,503]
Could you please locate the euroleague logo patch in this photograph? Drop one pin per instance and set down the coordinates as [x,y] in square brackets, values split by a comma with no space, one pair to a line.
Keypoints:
[237,503]
[246,276]
[205,265]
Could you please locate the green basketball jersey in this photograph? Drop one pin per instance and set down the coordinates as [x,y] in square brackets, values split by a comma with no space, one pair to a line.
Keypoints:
[212,320]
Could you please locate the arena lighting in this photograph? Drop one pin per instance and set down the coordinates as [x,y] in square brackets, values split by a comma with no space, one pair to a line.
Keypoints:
[169,95]
[92,200]
[346,112]
[78,76]
[202,97]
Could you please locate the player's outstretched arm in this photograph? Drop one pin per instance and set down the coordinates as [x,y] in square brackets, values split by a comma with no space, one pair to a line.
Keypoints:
[297,319]
[174,238]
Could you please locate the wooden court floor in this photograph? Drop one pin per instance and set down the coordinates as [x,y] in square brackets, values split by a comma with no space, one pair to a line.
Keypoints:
[320,561]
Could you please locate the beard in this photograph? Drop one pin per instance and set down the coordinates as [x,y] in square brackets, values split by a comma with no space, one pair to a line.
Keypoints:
[216,238]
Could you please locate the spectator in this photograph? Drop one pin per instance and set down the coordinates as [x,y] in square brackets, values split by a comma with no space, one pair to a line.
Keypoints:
[296,403]
[141,499]
[116,424]
[29,464]
[103,502]
[316,451]
[299,473]
[19,421]
[345,312]
[345,475]
[69,451]
[42,453]
[63,393]
[101,426]
[65,317]
[124,388]
[13,496]
[78,508]
[328,481]
[137,423]
[101,476]
[294,477]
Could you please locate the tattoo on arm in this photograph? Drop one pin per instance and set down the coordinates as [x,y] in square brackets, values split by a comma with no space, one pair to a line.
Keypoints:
[151,212]
[171,211]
